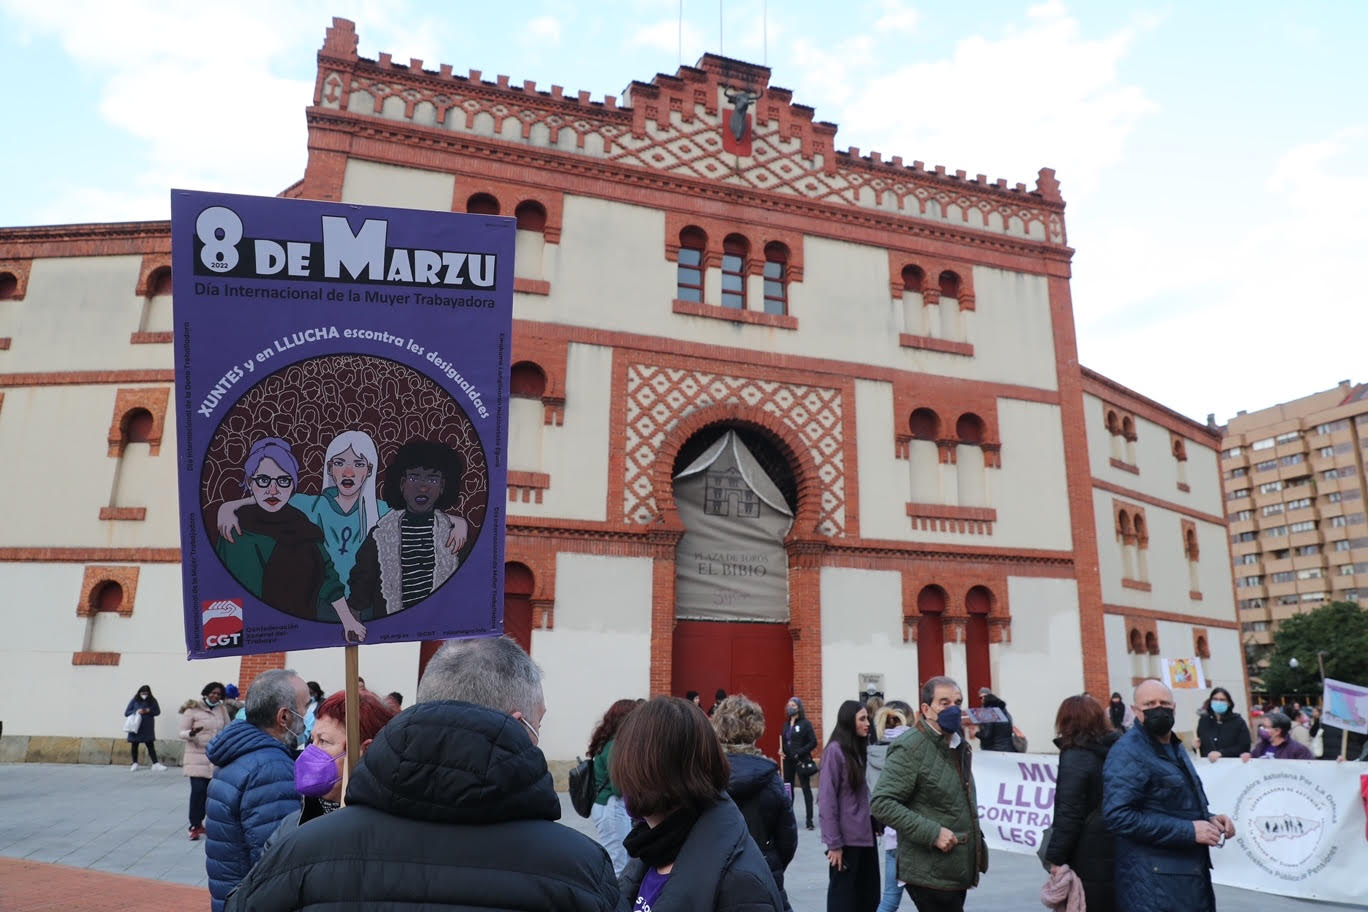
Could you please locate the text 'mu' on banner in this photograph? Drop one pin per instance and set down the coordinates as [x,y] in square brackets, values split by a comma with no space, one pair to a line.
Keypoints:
[342,398]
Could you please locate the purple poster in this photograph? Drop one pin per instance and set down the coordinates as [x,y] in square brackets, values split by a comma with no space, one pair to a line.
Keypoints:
[341,378]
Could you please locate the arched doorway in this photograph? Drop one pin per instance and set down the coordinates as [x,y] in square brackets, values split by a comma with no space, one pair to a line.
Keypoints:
[736,494]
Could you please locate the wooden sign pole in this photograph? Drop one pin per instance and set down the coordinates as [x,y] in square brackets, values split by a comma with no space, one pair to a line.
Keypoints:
[353,717]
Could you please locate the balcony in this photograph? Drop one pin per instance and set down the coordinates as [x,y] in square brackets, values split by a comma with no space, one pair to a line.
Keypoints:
[1279,566]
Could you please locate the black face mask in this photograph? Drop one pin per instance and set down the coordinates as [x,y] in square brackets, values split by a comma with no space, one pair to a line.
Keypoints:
[1159,721]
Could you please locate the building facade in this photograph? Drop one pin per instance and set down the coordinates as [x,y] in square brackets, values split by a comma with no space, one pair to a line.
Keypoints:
[892,346]
[1293,481]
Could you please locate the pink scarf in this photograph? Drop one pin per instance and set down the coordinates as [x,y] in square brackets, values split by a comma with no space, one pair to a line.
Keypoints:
[1063,892]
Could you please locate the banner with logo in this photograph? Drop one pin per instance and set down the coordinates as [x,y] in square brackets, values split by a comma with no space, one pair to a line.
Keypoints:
[341,384]
[1300,824]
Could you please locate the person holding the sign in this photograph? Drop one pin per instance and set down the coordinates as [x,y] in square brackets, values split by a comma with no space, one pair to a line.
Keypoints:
[1155,806]
[1221,731]
[404,559]
[926,793]
[280,557]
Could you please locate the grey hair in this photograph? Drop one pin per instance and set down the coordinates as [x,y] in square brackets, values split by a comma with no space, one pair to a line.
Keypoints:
[267,693]
[493,672]
[928,691]
[1279,720]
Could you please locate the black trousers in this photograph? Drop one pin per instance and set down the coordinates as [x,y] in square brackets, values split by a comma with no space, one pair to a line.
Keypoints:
[790,774]
[856,889]
[929,900]
[199,796]
[151,750]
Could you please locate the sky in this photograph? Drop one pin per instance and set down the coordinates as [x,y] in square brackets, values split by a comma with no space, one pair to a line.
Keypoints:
[1213,156]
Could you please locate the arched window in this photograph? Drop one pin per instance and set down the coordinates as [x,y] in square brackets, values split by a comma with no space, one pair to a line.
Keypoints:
[519,584]
[1203,650]
[1137,641]
[482,204]
[108,596]
[949,285]
[528,380]
[979,604]
[1113,423]
[735,250]
[531,216]
[137,426]
[692,243]
[527,417]
[913,278]
[1152,643]
[776,278]
[9,285]
[924,424]
[969,429]
[159,283]
[931,602]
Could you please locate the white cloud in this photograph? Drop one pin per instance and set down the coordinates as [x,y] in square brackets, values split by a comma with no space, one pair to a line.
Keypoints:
[896,16]
[666,36]
[545,30]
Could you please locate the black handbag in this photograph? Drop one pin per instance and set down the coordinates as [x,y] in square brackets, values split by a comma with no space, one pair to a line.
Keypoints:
[807,767]
[582,791]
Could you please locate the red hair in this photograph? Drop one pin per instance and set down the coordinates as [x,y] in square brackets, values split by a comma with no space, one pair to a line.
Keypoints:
[374,713]
[1080,719]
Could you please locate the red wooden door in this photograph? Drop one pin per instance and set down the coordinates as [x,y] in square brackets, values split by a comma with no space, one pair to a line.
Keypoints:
[747,658]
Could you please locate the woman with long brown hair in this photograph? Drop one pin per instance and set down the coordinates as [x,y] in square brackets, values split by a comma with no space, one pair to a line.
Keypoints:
[692,852]
[847,828]
[609,815]
[1080,838]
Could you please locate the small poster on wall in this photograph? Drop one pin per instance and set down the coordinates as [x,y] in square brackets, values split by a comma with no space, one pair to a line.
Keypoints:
[1184,674]
[341,381]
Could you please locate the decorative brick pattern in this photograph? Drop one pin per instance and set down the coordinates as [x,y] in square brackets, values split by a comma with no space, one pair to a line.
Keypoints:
[1123,466]
[126,400]
[928,343]
[659,397]
[526,486]
[151,338]
[95,658]
[86,378]
[551,355]
[89,555]
[135,514]
[532,286]
[752,317]
[941,518]
[1130,612]
[96,576]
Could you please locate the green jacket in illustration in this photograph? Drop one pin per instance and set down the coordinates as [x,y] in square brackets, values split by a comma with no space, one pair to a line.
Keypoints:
[921,790]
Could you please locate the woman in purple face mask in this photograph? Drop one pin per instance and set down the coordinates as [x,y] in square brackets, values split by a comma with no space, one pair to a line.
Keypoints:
[318,770]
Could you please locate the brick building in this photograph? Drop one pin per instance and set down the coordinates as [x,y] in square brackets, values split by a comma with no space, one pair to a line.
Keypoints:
[893,345]
[1293,481]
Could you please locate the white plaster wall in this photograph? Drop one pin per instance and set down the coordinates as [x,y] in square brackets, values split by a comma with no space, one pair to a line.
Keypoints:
[599,650]
[78,315]
[375,184]
[1154,457]
[862,632]
[576,453]
[73,424]
[47,695]
[1029,492]
[1044,662]
[385,666]
[842,304]
[1224,668]
[1168,569]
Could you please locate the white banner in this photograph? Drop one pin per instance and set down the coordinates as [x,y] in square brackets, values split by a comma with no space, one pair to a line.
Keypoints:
[1300,828]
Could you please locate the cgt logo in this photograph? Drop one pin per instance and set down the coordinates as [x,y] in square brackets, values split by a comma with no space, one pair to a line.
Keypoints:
[222,622]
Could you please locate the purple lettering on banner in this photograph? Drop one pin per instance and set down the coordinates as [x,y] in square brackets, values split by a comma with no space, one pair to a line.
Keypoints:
[342,402]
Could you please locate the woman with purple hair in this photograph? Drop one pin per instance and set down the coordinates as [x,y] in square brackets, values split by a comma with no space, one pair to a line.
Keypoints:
[280,556]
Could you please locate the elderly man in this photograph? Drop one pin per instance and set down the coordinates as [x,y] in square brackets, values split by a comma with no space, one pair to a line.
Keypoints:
[253,788]
[926,793]
[1154,804]
[451,807]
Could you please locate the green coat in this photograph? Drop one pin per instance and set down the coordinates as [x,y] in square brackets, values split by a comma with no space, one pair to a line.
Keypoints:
[920,791]
[604,786]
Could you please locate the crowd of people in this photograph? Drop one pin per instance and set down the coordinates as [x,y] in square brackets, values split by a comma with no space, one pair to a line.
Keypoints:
[452,804]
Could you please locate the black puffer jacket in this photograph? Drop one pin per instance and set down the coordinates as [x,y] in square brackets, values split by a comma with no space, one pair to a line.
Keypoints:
[1228,735]
[1080,838]
[758,790]
[719,869]
[451,808]
[996,736]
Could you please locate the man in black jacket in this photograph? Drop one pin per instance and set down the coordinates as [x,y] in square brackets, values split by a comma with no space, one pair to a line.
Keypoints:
[995,736]
[451,807]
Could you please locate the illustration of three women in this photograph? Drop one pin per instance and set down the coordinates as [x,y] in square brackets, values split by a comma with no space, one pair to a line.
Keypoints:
[342,555]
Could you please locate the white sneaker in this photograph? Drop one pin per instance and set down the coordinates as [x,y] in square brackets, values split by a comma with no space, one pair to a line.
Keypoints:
[161,768]
[133,768]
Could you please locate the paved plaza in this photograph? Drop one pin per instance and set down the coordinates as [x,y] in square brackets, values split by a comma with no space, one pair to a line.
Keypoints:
[77,837]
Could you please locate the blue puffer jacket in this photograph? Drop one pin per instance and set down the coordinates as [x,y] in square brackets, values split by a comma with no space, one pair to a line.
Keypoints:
[1151,796]
[253,789]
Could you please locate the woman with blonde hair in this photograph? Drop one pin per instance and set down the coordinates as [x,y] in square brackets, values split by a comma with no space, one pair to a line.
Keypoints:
[756,785]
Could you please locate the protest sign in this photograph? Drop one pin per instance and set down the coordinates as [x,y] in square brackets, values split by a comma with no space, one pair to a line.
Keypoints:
[1345,706]
[341,378]
[1184,674]
[1300,827]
